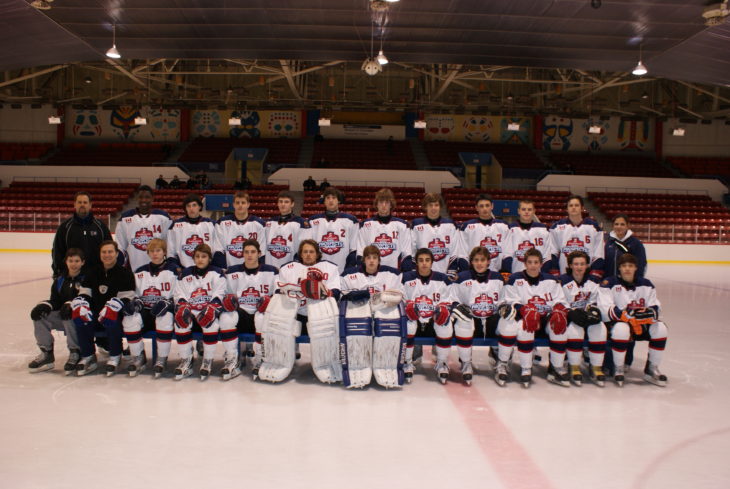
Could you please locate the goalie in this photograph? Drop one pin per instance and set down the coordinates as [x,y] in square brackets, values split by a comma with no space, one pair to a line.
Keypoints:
[372,326]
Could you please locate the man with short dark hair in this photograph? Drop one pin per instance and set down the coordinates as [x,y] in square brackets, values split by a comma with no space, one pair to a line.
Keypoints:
[138,226]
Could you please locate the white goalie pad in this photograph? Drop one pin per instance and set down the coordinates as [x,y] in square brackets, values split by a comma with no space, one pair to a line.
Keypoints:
[356,344]
[389,347]
[324,339]
[279,330]
[385,299]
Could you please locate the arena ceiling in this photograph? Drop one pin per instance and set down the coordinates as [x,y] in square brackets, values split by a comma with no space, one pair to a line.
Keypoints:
[496,55]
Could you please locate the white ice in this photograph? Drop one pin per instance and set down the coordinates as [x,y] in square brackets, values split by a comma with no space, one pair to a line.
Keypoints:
[122,432]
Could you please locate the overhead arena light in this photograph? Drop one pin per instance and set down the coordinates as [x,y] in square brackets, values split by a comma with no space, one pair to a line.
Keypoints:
[41,4]
[113,52]
[234,121]
[594,129]
[381,58]
[54,119]
[513,126]
[678,131]
[419,124]
[324,122]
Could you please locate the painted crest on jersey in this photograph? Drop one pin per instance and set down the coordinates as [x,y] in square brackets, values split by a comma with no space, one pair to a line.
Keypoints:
[439,249]
[385,244]
[540,303]
[150,296]
[142,238]
[331,244]
[425,306]
[278,247]
[634,304]
[581,300]
[483,306]
[522,248]
[492,246]
[249,297]
[235,248]
[190,244]
[574,244]
[199,298]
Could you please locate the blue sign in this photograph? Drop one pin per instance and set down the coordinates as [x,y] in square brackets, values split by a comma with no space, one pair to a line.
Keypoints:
[218,202]
[476,159]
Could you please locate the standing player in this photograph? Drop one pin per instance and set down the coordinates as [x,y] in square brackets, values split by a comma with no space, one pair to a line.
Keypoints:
[631,306]
[479,294]
[233,230]
[486,232]
[534,303]
[581,291]
[190,231]
[622,240]
[151,309]
[524,234]
[137,227]
[428,296]
[284,233]
[55,313]
[575,233]
[250,286]
[436,233]
[390,234]
[335,231]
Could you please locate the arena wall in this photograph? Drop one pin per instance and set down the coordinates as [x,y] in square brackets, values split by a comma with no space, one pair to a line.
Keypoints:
[120,174]
[432,181]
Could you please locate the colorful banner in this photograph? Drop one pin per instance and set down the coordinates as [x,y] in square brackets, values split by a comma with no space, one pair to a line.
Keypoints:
[163,125]
[613,134]
[477,129]
[254,124]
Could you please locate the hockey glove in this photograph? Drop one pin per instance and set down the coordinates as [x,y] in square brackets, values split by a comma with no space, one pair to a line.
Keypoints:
[314,289]
[463,312]
[597,274]
[110,311]
[442,314]
[65,312]
[161,307]
[634,323]
[40,311]
[530,318]
[80,311]
[507,311]
[411,311]
[593,315]
[230,302]
[133,305]
[559,319]
[263,304]
[183,316]
[208,315]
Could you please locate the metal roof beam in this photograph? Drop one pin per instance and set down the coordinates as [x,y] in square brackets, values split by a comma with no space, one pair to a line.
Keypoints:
[31,75]
[289,78]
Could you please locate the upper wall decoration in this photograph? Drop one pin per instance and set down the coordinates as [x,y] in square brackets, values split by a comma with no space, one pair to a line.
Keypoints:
[254,124]
[477,129]
[118,124]
[612,134]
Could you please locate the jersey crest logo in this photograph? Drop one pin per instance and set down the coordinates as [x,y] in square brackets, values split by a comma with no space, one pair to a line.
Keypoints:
[249,297]
[636,304]
[150,296]
[331,244]
[581,300]
[491,246]
[142,238]
[199,298]
[235,249]
[483,306]
[439,249]
[385,244]
[522,248]
[191,243]
[424,306]
[278,247]
[540,303]
[574,244]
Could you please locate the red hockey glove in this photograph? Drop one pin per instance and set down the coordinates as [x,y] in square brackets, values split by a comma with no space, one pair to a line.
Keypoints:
[207,315]
[442,315]
[184,316]
[110,311]
[559,319]
[230,302]
[263,303]
[411,311]
[530,318]
[80,310]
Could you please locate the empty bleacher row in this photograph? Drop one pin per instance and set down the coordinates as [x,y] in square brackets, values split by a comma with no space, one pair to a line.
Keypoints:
[263,199]
[23,151]
[446,154]
[217,149]
[110,154]
[701,166]
[365,154]
[359,202]
[609,165]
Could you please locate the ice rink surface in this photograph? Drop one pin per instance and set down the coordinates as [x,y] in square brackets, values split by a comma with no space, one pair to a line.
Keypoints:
[121,432]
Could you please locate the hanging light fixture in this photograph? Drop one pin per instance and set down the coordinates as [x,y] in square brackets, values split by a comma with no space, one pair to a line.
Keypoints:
[640,68]
[381,58]
[113,52]
[41,4]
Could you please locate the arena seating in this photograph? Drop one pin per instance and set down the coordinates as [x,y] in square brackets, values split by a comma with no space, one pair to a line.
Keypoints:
[263,199]
[630,165]
[359,202]
[701,167]
[34,206]
[366,154]
[513,156]
[109,154]
[217,149]
[23,151]
[668,217]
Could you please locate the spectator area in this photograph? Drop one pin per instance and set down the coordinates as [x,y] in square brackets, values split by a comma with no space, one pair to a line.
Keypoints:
[627,165]
[513,156]
[218,149]
[367,154]
[701,166]
[263,199]
[23,151]
[110,154]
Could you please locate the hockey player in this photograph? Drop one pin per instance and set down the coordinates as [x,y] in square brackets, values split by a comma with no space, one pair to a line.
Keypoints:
[534,304]
[438,234]
[188,232]
[55,313]
[284,233]
[198,294]
[631,306]
[581,292]
[234,229]
[151,309]
[250,286]
[428,297]
[99,304]
[524,234]
[622,240]
[575,233]
[335,231]
[390,234]
[371,302]
[485,231]
[137,227]
[479,294]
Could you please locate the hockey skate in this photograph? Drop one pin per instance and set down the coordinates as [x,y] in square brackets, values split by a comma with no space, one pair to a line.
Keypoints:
[618,376]
[206,368]
[526,377]
[184,368]
[596,375]
[654,376]
[74,356]
[442,371]
[500,375]
[112,364]
[558,376]
[408,370]
[139,363]
[41,363]
[467,372]
[86,365]
[231,368]
[159,367]
[575,375]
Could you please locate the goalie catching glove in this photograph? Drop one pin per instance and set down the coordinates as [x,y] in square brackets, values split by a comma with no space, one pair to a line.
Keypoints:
[463,312]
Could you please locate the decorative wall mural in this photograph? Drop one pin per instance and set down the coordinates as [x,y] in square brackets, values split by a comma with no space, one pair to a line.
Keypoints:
[249,127]
[633,135]
[86,124]
[522,136]
[595,142]
[284,124]
[556,133]
[164,124]
[440,127]
[206,123]
[122,120]
[476,128]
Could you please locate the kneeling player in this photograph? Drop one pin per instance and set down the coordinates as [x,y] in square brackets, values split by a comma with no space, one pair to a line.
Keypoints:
[630,303]
[428,296]
[479,293]
[581,292]
[151,308]
[371,300]
[198,294]
[250,286]
[534,302]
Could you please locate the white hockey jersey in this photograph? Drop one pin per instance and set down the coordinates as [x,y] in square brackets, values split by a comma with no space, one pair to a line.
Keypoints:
[153,283]
[543,292]
[586,236]
[441,238]
[294,272]
[483,297]
[386,278]
[490,234]
[427,293]
[521,238]
[580,295]
[337,237]
[251,286]
[185,235]
[391,236]
[232,233]
[200,289]
[282,239]
[616,296]
[134,231]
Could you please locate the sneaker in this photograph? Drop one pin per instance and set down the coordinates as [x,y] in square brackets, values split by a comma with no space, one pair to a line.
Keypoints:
[184,368]
[206,368]
[558,376]
[654,376]
[41,363]
[138,365]
[74,356]
[86,365]
[442,370]
[159,367]
[575,375]
[596,375]
[467,372]
[500,375]
[408,370]
[231,368]
[526,377]
[618,376]
[112,364]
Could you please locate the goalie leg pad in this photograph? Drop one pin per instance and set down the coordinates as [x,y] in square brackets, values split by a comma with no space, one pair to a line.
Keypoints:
[356,344]
[324,341]
[279,332]
[389,347]
[464,332]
